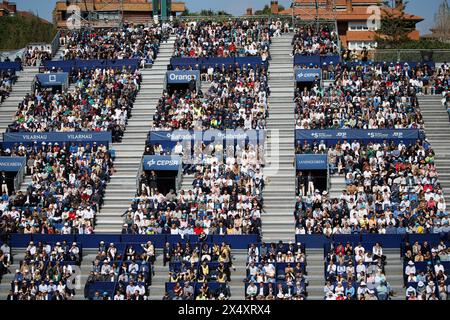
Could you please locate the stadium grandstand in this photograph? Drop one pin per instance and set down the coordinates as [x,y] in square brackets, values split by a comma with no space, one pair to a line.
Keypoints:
[203,158]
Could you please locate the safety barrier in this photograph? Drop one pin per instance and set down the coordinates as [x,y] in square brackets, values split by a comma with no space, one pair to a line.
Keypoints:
[92,240]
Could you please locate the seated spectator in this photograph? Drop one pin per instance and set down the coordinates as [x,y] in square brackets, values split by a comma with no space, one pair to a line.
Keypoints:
[230,38]
[308,41]
[129,42]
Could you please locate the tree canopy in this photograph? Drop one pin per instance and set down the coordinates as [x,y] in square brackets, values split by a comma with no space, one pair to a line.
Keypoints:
[18,31]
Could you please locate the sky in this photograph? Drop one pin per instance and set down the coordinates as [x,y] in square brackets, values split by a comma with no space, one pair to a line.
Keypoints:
[423,8]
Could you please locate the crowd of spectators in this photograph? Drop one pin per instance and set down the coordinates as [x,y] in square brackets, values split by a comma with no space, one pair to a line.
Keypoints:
[129,267]
[101,101]
[390,188]
[276,271]
[310,40]
[129,42]
[229,38]
[355,273]
[199,271]
[33,55]
[7,80]
[374,96]
[46,272]
[225,198]
[65,191]
[426,270]
[236,99]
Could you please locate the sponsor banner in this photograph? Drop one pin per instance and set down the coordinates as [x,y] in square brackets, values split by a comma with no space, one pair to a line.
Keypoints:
[307,74]
[11,164]
[366,135]
[311,161]
[52,79]
[170,138]
[78,136]
[12,65]
[68,65]
[162,163]
[182,76]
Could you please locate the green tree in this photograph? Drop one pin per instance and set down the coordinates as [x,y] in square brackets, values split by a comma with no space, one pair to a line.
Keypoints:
[18,31]
[267,10]
[394,28]
[205,13]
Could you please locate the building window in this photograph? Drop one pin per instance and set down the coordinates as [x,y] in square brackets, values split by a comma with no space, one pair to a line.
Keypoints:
[359,45]
[359,26]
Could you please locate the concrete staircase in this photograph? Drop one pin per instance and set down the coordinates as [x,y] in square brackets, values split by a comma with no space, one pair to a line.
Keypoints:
[22,86]
[85,269]
[122,187]
[237,286]
[186,182]
[337,184]
[158,287]
[315,273]
[279,193]
[5,285]
[394,272]
[437,130]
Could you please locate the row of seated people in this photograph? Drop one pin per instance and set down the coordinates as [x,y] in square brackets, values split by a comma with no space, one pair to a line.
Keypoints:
[236,99]
[276,271]
[390,188]
[33,55]
[7,80]
[355,272]
[370,97]
[46,272]
[225,198]
[128,42]
[65,192]
[197,291]
[229,38]
[123,270]
[199,271]
[426,270]
[424,78]
[310,40]
[101,101]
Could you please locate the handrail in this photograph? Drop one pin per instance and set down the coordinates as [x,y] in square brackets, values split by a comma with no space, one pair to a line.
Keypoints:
[18,179]
[55,43]
[138,176]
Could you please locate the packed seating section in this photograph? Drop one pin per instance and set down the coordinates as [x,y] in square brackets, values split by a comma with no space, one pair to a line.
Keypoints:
[355,272]
[390,188]
[198,271]
[276,271]
[426,266]
[47,271]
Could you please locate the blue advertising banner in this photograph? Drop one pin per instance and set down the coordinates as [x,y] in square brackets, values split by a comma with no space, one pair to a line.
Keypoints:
[12,164]
[316,60]
[407,135]
[307,74]
[11,65]
[311,161]
[68,65]
[79,136]
[198,63]
[162,163]
[182,76]
[52,79]
[168,139]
